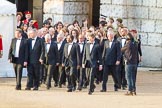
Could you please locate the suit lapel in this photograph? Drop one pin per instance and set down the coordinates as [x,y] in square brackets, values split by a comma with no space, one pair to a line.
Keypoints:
[71,49]
[92,48]
[22,42]
[112,45]
[35,43]
[88,48]
[50,48]
[14,45]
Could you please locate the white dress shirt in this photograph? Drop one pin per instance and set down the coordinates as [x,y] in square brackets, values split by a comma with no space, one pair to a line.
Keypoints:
[17,47]
[123,41]
[81,46]
[91,46]
[59,45]
[33,42]
[69,47]
[48,46]
[110,43]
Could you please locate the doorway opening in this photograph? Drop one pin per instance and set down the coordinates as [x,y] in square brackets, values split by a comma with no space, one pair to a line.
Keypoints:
[23,5]
[95,13]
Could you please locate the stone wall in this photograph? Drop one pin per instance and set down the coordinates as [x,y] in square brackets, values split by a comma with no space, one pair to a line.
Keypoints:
[66,10]
[37,11]
[145,16]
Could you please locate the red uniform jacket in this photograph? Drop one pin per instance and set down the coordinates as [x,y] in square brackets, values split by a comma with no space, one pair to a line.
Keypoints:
[1,47]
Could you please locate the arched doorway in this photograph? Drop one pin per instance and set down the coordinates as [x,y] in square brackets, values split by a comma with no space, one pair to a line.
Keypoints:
[34,6]
[95,12]
[23,5]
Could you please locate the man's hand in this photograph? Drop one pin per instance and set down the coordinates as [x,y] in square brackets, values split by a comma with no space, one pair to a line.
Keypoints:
[25,63]
[9,60]
[63,65]
[140,58]
[117,62]
[83,65]
[78,66]
[57,64]
[41,61]
[100,67]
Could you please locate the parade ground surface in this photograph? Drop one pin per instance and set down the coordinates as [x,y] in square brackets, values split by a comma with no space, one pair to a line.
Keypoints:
[149,95]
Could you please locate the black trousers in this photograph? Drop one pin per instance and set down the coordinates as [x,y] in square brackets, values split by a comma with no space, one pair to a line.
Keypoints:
[120,69]
[90,76]
[71,73]
[109,69]
[56,74]
[33,75]
[61,77]
[49,69]
[18,73]
[43,73]
[82,76]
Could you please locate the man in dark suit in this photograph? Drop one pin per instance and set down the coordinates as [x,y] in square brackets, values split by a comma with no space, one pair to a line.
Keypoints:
[18,56]
[59,73]
[71,62]
[35,59]
[111,58]
[91,59]
[123,32]
[51,58]
[81,71]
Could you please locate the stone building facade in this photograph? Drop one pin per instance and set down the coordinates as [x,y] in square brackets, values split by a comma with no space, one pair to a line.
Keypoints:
[143,15]
[66,10]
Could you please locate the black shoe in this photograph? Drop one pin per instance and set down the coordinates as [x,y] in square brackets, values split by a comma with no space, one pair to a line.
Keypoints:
[90,92]
[60,86]
[69,90]
[64,84]
[84,87]
[35,88]
[79,88]
[115,89]
[102,90]
[48,87]
[134,93]
[18,88]
[97,82]
[124,88]
[74,88]
[55,85]
[27,88]
[93,88]
[129,93]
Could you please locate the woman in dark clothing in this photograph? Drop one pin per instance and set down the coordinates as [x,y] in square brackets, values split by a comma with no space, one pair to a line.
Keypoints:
[18,17]
[130,51]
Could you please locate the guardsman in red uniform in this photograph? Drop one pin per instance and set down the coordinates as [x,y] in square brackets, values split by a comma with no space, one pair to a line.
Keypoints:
[1,47]
[29,21]
[27,16]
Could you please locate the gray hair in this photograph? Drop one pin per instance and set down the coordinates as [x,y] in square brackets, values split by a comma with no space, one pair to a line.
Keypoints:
[47,36]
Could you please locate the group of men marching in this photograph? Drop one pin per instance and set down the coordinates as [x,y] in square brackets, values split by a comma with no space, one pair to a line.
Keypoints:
[80,56]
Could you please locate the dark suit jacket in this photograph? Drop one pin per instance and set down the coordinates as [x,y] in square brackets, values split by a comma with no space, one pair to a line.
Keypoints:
[81,53]
[52,56]
[22,51]
[37,52]
[61,50]
[92,59]
[73,58]
[113,54]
